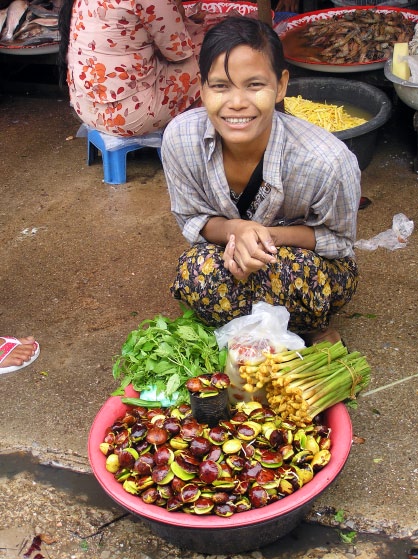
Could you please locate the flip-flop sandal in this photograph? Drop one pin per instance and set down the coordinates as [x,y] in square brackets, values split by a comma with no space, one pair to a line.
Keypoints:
[364,203]
[7,347]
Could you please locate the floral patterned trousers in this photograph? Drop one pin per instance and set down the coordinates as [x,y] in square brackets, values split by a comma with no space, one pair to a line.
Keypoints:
[311,287]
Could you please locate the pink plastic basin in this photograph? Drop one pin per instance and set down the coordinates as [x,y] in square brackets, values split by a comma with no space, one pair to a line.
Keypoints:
[242,531]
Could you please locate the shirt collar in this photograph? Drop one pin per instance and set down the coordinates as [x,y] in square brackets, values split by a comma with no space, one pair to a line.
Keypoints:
[275,145]
[273,157]
[210,138]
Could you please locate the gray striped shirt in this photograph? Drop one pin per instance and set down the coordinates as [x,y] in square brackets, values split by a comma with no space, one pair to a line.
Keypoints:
[314,179]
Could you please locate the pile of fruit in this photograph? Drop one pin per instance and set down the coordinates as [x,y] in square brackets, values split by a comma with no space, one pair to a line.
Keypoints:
[169,459]
[204,455]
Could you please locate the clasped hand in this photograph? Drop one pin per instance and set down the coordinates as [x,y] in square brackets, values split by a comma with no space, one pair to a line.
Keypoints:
[249,248]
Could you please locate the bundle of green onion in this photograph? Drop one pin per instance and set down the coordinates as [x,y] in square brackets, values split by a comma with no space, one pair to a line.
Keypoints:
[301,384]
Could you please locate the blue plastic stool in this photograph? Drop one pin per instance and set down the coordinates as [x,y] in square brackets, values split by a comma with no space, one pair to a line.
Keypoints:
[115,149]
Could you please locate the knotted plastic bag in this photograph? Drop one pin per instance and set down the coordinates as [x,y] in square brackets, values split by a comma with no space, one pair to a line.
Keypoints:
[247,338]
[392,239]
[413,66]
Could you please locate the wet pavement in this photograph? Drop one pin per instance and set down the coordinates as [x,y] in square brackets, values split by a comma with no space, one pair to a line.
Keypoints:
[69,516]
[84,262]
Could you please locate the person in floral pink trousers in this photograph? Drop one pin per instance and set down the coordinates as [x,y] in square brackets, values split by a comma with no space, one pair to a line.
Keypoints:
[130,66]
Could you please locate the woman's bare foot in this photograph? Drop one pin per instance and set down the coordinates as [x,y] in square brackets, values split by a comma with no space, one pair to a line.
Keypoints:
[20,354]
[317,336]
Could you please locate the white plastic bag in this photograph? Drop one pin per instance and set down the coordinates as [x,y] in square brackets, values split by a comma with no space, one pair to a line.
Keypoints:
[247,337]
[413,66]
[112,143]
[392,239]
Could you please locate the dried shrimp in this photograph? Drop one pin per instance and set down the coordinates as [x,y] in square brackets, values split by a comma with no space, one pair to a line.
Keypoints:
[358,36]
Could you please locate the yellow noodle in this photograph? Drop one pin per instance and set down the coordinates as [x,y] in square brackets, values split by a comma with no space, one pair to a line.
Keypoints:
[331,117]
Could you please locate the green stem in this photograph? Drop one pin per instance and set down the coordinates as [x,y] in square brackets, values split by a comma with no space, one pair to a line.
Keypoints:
[323,385]
[142,403]
[323,355]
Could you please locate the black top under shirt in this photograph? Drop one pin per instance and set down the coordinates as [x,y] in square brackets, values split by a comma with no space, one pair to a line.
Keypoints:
[244,200]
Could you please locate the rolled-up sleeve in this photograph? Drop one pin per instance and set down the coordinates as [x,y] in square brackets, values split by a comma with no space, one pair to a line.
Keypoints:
[185,163]
[335,221]
[321,183]
[186,207]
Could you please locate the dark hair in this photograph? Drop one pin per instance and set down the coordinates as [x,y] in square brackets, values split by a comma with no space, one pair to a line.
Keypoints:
[235,31]
[64,22]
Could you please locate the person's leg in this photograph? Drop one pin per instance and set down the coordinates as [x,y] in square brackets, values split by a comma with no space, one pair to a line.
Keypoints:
[19,354]
[205,285]
[310,287]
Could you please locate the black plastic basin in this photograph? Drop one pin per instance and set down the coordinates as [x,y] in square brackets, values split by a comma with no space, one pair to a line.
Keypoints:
[361,140]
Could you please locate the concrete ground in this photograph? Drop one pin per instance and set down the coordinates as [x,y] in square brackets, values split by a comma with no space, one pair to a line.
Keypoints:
[84,262]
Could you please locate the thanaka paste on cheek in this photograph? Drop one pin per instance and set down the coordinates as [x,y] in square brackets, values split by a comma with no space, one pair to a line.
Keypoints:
[265,99]
[213,102]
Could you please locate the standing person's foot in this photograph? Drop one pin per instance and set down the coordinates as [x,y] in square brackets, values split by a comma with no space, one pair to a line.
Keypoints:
[17,353]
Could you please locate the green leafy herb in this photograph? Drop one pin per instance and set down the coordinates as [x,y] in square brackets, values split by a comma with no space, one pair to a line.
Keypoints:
[348,537]
[339,516]
[164,353]
[353,404]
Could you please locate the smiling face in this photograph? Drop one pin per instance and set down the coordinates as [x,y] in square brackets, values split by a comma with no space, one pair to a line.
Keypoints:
[241,106]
